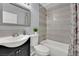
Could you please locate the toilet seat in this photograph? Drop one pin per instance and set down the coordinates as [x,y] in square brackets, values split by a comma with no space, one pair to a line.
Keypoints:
[42,50]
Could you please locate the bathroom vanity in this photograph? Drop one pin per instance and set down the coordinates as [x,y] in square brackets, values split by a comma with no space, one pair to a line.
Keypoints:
[12,14]
[23,50]
[15,46]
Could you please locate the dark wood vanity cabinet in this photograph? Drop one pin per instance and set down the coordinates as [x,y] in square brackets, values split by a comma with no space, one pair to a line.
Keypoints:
[23,50]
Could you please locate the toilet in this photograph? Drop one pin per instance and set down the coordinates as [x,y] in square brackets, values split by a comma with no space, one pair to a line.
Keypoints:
[40,50]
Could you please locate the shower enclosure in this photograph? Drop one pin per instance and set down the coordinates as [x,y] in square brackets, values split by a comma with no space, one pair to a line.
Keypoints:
[59,24]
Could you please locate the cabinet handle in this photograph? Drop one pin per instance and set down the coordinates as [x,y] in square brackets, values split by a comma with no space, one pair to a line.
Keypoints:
[19,51]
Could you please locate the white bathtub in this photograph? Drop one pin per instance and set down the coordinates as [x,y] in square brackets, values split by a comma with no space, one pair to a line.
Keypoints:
[56,48]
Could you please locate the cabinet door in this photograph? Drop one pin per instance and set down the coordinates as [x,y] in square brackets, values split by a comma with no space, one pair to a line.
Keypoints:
[23,50]
[12,54]
[20,52]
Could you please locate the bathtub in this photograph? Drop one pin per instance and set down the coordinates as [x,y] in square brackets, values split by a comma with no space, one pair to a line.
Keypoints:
[56,48]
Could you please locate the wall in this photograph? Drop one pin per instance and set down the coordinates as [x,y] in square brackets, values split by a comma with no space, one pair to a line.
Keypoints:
[6,30]
[34,16]
[42,23]
[38,20]
[59,23]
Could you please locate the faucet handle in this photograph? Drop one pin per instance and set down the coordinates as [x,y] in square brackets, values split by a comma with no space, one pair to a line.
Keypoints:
[24,32]
[15,34]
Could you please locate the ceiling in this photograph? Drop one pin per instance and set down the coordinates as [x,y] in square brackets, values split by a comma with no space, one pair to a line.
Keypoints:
[49,5]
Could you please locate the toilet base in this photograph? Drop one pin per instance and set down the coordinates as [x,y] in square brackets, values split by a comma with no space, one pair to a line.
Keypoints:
[33,53]
[41,50]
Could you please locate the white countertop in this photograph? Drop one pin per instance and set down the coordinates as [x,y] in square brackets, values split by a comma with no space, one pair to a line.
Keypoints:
[13,41]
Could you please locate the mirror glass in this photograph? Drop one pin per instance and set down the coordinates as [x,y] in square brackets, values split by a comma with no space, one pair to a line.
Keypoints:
[14,15]
[9,17]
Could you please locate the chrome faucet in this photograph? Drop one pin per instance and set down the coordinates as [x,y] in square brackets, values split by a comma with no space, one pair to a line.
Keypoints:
[15,35]
[24,32]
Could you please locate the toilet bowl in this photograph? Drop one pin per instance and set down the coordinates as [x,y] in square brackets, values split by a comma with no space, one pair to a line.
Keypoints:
[41,50]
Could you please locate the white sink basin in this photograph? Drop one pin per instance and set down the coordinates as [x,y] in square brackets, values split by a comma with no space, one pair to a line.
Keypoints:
[14,41]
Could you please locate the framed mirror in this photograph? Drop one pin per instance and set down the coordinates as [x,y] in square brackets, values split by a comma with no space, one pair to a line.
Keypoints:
[13,14]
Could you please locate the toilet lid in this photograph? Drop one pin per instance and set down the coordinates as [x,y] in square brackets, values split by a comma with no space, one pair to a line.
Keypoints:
[41,48]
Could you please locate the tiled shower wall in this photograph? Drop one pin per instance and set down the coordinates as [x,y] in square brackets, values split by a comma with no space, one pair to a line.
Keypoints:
[42,23]
[59,23]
